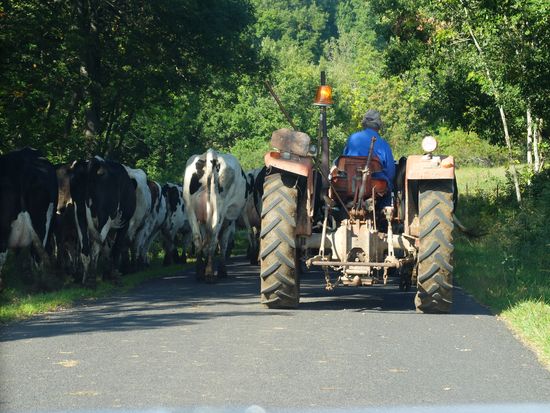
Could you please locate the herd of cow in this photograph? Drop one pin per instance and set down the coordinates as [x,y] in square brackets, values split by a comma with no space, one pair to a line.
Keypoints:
[77,215]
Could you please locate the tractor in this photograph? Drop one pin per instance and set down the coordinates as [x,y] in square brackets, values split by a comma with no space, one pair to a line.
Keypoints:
[332,219]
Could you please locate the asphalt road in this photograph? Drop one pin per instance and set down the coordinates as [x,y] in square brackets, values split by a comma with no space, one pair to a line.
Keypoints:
[174,343]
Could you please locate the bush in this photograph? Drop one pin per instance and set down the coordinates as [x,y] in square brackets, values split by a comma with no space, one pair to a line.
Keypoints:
[529,235]
[468,149]
[250,152]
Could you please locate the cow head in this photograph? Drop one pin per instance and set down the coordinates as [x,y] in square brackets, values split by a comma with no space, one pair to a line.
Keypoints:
[64,198]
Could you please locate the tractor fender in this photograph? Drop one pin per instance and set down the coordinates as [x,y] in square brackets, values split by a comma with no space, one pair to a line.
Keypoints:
[430,167]
[298,165]
[421,168]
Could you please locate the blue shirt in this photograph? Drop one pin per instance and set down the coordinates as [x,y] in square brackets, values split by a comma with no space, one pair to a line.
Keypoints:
[358,144]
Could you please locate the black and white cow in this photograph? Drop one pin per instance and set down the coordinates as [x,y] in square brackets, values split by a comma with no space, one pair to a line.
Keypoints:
[28,199]
[251,216]
[176,224]
[214,194]
[143,208]
[66,234]
[152,223]
[105,200]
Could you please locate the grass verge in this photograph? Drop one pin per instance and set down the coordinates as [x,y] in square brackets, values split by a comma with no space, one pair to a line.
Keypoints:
[521,296]
[17,305]
[505,269]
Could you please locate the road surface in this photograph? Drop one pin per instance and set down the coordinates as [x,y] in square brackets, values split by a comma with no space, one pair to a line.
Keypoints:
[175,343]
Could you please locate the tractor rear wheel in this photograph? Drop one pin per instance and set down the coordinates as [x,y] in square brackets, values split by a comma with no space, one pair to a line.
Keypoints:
[435,254]
[279,280]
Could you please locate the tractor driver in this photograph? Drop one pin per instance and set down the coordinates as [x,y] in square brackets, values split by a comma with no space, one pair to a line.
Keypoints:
[358,144]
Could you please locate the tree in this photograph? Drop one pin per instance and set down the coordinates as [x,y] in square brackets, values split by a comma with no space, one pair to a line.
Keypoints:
[482,36]
[91,66]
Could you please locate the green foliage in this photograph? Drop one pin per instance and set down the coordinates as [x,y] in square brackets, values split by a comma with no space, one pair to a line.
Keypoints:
[299,23]
[250,152]
[94,67]
[464,85]
[468,148]
[162,80]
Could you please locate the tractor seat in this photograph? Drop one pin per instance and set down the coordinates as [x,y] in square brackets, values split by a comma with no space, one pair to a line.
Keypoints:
[347,176]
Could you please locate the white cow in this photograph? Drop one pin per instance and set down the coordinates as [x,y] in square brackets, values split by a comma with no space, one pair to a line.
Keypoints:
[214,195]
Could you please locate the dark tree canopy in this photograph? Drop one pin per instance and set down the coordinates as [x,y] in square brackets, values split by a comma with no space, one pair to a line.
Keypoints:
[88,67]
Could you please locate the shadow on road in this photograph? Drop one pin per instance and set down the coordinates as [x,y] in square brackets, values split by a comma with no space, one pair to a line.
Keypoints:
[179,300]
[377,298]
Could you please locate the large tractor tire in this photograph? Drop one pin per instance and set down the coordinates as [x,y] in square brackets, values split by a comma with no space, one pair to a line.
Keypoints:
[279,281]
[435,254]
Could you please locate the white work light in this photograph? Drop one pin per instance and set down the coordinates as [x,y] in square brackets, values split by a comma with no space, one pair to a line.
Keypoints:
[429,144]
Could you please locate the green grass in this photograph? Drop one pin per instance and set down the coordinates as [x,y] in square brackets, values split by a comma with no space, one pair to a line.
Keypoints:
[473,180]
[15,304]
[519,294]
[506,268]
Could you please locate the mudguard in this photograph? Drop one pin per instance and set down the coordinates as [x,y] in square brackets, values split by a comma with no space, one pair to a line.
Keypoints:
[430,167]
[297,165]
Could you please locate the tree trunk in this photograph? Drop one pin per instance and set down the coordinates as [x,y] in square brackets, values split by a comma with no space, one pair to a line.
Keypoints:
[510,154]
[110,124]
[496,95]
[75,102]
[90,69]
[537,140]
[529,139]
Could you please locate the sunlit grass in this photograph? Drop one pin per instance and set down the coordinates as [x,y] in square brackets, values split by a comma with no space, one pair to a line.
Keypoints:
[513,286]
[472,180]
[520,295]
[531,319]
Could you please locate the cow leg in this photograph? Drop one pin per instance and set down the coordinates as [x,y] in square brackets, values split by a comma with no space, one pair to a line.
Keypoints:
[86,264]
[115,255]
[3,257]
[42,265]
[134,257]
[253,249]
[185,252]
[125,258]
[90,265]
[147,246]
[140,255]
[169,257]
[255,259]
[227,233]
[196,231]
[250,233]
[136,251]
[169,247]
[106,258]
[186,247]
[200,267]
[209,274]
